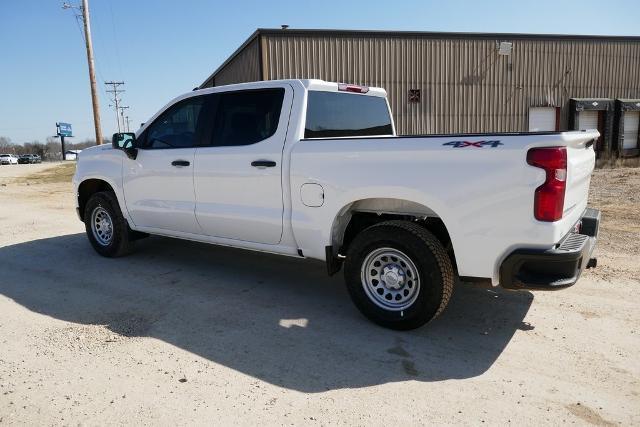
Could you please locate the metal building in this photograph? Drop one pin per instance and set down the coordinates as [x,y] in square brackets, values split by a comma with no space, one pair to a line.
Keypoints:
[466,82]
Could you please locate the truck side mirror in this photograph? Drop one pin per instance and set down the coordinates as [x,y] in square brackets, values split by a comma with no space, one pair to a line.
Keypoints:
[125,141]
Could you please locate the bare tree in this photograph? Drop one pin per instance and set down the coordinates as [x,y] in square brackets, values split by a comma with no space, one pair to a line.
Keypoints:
[81,145]
[52,149]
[6,146]
[34,147]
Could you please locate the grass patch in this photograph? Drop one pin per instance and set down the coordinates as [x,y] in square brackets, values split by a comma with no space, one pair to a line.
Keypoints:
[56,174]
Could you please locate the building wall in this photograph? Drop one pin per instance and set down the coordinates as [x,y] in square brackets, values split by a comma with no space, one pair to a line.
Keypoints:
[244,67]
[465,85]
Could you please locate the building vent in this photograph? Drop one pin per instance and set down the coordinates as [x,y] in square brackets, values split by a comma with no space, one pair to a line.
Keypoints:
[504,48]
[414,96]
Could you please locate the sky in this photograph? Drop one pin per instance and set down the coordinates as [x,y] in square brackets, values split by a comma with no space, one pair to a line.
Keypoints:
[162,49]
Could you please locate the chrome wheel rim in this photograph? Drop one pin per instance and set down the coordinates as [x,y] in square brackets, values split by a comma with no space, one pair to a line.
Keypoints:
[390,279]
[102,226]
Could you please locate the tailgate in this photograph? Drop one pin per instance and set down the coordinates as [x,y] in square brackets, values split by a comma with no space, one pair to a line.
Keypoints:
[580,164]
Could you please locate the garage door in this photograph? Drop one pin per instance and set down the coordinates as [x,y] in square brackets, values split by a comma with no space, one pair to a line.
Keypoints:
[587,120]
[631,124]
[542,119]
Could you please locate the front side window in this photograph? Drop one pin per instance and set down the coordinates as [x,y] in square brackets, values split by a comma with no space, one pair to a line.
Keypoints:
[247,117]
[335,114]
[176,127]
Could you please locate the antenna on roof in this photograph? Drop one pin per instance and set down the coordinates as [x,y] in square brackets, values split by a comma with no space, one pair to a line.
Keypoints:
[284,26]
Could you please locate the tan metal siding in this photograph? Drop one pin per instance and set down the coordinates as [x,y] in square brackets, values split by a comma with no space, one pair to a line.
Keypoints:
[466,86]
[244,67]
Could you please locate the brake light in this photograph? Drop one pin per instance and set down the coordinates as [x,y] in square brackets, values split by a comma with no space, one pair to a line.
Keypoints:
[352,88]
[549,197]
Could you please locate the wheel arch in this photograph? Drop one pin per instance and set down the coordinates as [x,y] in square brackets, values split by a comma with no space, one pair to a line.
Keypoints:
[89,187]
[363,213]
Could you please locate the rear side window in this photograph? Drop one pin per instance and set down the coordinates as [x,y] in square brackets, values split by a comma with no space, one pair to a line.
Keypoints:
[247,117]
[334,114]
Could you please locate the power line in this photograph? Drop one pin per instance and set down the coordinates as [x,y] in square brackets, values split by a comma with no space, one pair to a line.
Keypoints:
[115,39]
[115,91]
[84,9]
[78,19]
[122,108]
[103,45]
[116,100]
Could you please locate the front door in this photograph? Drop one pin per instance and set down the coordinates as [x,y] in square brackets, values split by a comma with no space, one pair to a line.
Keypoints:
[158,184]
[238,178]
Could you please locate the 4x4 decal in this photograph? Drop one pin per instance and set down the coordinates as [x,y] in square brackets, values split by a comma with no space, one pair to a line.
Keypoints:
[476,144]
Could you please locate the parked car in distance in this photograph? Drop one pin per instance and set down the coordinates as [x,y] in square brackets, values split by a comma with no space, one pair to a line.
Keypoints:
[29,158]
[24,159]
[313,169]
[8,159]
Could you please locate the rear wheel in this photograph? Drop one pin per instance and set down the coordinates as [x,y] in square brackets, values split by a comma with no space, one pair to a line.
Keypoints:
[106,228]
[398,274]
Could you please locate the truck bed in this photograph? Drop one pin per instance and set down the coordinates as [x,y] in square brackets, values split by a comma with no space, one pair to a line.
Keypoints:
[479,185]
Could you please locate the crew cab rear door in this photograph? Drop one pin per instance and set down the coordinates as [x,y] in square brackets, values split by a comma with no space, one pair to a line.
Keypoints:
[238,177]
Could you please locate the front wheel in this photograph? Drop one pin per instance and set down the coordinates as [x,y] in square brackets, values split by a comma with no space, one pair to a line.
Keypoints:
[398,274]
[106,228]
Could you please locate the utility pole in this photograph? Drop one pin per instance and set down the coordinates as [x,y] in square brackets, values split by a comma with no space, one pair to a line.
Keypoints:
[128,123]
[122,108]
[115,90]
[92,72]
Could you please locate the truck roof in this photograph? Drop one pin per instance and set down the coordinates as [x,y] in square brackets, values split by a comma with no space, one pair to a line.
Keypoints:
[322,85]
[309,84]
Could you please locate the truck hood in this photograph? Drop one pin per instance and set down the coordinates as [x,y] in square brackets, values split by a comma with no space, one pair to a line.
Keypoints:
[94,151]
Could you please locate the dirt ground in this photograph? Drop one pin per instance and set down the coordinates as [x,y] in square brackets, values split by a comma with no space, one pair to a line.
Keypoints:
[183,333]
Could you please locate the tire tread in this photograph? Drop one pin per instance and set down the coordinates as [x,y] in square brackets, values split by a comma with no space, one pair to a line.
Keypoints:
[124,242]
[436,248]
[426,249]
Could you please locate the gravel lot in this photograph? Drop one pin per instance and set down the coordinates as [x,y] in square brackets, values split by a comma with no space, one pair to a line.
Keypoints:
[184,333]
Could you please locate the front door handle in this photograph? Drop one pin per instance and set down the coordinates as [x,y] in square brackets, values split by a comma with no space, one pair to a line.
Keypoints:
[263,163]
[180,163]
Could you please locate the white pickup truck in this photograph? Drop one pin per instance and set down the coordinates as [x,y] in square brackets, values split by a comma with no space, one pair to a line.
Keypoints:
[307,168]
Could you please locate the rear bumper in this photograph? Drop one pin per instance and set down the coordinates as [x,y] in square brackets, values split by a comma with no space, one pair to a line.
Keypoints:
[554,268]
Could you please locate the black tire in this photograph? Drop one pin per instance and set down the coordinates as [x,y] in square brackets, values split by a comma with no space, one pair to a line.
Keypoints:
[428,256]
[121,242]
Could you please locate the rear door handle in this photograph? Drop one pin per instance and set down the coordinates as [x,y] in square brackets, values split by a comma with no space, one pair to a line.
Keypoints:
[263,163]
[180,163]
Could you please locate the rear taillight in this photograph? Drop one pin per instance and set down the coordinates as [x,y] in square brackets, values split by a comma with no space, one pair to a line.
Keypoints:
[549,197]
[352,88]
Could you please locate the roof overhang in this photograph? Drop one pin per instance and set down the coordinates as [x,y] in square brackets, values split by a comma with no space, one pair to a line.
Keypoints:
[415,34]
